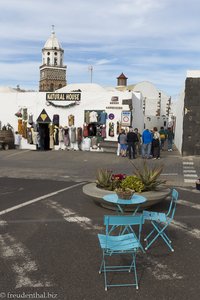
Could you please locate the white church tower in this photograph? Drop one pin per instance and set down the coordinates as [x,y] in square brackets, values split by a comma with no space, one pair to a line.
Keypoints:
[52,70]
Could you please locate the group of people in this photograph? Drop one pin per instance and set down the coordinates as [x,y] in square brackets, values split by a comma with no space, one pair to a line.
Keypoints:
[149,144]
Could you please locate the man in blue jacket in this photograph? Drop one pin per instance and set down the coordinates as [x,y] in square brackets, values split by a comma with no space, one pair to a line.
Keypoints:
[146,143]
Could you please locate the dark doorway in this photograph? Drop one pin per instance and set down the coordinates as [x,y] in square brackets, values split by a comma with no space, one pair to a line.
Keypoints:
[44,136]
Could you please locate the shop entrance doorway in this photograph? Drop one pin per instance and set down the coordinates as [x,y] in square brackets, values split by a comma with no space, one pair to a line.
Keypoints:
[43,128]
[44,136]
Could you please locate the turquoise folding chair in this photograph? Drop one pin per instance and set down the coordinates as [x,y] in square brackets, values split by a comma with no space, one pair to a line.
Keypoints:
[160,222]
[123,244]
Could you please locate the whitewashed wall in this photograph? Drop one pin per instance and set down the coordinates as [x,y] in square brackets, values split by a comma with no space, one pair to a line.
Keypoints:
[178,112]
[93,97]
[151,93]
[138,116]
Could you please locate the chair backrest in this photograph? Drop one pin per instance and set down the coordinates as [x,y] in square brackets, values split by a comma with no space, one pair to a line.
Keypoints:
[112,220]
[122,220]
[172,207]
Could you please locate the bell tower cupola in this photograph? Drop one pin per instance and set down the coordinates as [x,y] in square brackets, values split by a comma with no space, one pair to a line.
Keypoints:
[52,70]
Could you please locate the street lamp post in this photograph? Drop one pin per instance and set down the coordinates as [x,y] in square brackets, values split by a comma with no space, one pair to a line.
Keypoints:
[90,68]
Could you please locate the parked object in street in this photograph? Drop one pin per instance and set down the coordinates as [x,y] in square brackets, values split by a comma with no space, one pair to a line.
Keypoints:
[6,139]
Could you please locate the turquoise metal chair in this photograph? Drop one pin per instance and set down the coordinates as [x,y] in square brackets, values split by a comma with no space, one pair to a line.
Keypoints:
[123,244]
[160,222]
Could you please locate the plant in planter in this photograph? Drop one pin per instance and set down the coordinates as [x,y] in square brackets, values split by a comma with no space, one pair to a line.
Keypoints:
[145,180]
[128,186]
[149,175]
[104,179]
[133,183]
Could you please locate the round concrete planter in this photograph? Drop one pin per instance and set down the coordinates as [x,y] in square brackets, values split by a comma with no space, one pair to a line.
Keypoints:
[153,197]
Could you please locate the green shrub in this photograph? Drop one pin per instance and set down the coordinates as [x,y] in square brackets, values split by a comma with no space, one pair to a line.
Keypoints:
[133,183]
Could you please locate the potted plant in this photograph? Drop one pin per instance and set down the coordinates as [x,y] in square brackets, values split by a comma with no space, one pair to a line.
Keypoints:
[124,193]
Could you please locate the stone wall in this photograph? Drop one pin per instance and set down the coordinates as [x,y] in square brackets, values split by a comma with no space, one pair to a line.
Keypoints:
[191,119]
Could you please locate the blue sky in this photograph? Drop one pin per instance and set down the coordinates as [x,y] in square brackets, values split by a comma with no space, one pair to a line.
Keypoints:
[147,40]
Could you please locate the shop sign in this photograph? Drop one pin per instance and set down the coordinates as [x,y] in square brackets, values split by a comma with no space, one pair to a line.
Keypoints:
[43,117]
[111,116]
[63,96]
[114,100]
[126,118]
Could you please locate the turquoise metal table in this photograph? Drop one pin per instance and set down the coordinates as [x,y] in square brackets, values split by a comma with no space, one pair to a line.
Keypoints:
[121,203]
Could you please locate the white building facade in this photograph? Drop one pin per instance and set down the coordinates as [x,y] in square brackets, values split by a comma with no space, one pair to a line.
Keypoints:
[71,106]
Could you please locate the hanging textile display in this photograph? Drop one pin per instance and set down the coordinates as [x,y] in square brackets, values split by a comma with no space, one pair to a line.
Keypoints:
[119,127]
[92,129]
[98,130]
[51,136]
[56,120]
[25,114]
[34,136]
[20,127]
[24,129]
[93,116]
[19,113]
[103,131]
[70,120]
[85,130]
[111,129]
[56,141]
[103,117]
[79,135]
[30,119]
[87,117]
[66,136]
[29,136]
[61,137]
[73,135]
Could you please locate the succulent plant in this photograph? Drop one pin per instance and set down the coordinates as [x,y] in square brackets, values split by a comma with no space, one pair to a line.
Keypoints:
[149,175]
[104,179]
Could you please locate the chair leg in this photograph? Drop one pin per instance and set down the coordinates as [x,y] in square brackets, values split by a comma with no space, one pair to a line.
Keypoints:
[160,233]
[148,236]
[135,272]
[133,266]
[105,277]
[100,269]
[154,230]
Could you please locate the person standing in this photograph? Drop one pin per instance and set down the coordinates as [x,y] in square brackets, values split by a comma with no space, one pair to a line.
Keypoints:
[146,143]
[132,138]
[170,137]
[123,143]
[156,144]
[163,137]
[138,144]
